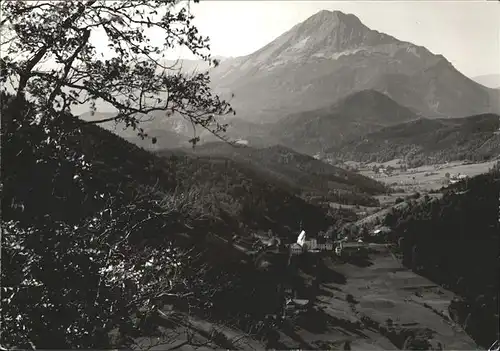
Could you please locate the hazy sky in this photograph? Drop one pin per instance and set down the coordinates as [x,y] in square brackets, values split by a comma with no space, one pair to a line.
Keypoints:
[467,33]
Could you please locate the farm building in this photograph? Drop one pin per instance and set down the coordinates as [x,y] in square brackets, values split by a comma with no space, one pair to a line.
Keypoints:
[296,249]
[325,247]
[242,142]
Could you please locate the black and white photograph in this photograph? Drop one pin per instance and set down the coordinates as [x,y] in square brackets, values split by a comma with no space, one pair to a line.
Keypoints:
[198,175]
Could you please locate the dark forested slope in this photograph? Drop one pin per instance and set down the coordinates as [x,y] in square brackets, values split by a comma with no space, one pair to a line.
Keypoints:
[455,242]
[427,141]
[307,175]
[357,114]
[74,209]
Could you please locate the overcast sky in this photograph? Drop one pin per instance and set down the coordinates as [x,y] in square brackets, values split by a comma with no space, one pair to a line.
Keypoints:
[467,33]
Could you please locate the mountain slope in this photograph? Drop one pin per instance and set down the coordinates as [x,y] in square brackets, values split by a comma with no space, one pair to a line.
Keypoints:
[324,59]
[424,140]
[122,207]
[359,113]
[172,132]
[488,80]
[304,174]
[331,55]
[454,242]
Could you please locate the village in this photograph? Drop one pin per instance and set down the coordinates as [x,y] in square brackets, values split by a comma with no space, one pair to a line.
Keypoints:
[325,243]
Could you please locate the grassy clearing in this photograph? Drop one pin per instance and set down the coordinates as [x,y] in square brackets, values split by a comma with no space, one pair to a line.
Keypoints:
[427,178]
[385,291]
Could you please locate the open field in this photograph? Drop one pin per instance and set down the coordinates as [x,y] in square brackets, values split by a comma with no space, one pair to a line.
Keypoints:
[371,304]
[385,293]
[428,178]
[421,180]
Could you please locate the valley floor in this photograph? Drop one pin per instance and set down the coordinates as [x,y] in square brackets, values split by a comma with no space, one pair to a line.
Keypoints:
[386,290]
[374,306]
[426,178]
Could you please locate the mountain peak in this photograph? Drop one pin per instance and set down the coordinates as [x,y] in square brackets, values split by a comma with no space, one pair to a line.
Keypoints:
[366,96]
[332,20]
[325,34]
[370,102]
[333,16]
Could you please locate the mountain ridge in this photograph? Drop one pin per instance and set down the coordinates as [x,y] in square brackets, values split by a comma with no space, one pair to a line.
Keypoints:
[358,113]
[332,59]
[426,141]
[333,55]
[306,175]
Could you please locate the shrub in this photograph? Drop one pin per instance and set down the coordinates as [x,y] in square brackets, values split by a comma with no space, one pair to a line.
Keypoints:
[399,200]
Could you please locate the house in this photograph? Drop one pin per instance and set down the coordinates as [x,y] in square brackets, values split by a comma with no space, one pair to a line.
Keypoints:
[338,250]
[339,247]
[458,176]
[296,249]
[294,306]
[382,231]
[455,178]
[311,244]
[301,238]
[325,247]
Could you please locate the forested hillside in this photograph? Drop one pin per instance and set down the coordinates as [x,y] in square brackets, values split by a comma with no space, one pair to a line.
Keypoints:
[97,199]
[454,241]
[356,114]
[311,178]
[427,141]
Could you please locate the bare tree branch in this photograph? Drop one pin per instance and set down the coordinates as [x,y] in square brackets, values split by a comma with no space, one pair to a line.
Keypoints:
[135,81]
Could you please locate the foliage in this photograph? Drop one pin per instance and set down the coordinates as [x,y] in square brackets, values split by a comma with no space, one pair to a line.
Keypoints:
[177,203]
[249,196]
[87,249]
[454,241]
[426,141]
[79,286]
[312,179]
[49,58]
[496,167]
[65,237]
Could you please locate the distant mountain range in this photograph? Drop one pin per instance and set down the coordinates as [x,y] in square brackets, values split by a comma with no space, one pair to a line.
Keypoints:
[327,82]
[332,55]
[426,141]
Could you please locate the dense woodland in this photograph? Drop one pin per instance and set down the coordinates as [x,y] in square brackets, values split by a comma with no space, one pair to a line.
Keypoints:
[357,114]
[310,178]
[454,241]
[426,141]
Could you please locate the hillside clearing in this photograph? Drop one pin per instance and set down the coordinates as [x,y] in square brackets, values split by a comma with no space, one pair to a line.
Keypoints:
[427,178]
